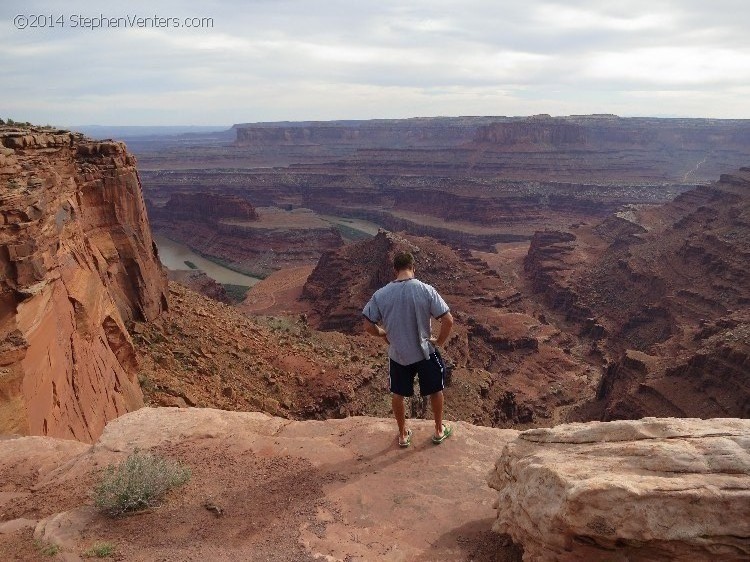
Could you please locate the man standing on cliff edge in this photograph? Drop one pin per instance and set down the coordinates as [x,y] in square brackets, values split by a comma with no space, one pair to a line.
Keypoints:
[404,308]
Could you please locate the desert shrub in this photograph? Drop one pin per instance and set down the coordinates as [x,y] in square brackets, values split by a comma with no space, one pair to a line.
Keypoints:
[100,550]
[138,482]
[47,549]
[236,293]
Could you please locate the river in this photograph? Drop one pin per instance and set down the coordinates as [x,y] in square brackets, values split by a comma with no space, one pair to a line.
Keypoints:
[364,226]
[174,255]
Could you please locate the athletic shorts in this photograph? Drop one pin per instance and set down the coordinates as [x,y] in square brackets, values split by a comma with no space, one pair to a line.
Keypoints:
[431,374]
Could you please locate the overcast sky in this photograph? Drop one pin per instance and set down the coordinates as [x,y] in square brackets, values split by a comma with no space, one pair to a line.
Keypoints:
[268,60]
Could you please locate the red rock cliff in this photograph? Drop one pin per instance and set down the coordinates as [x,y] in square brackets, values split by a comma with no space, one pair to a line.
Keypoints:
[77,263]
[208,207]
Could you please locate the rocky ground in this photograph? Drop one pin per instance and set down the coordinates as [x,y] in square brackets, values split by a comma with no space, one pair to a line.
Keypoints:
[262,488]
[268,488]
[204,353]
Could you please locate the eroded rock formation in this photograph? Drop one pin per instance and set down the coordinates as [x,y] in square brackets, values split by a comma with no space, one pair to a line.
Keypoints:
[665,289]
[262,488]
[197,280]
[654,489]
[229,229]
[78,263]
[512,368]
[206,207]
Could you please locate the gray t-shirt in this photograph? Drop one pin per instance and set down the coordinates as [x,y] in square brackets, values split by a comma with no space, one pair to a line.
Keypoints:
[405,308]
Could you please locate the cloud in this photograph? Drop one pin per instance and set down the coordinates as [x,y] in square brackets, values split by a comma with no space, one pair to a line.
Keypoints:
[296,59]
[672,66]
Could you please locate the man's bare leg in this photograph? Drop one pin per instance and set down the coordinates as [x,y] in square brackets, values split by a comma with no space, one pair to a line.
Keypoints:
[436,402]
[399,411]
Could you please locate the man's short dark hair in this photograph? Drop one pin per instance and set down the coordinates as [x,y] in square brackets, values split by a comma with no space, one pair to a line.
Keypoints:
[403,260]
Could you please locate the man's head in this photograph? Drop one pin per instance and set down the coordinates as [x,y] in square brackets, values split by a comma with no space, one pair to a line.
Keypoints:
[402,261]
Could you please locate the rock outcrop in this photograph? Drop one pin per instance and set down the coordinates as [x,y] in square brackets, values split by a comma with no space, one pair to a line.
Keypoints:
[549,264]
[511,367]
[197,280]
[78,264]
[654,489]
[262,488]
[229,229]
[206,207]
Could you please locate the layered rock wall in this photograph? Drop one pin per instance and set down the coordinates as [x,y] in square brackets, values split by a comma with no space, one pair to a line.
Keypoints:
[78,263]
[553,132]
[379,132]
[664,290]
[598,133]
[207,207]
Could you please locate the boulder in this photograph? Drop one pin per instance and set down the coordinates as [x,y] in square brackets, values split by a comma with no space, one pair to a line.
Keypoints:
[650,489]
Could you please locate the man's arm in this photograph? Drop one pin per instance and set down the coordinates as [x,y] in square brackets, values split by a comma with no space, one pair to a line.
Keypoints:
[375,330]
[446,324]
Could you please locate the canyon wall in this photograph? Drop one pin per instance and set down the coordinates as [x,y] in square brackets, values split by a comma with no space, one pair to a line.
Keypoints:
[664,290]
[438,131]
[600,133]
[229,229]
[78,264]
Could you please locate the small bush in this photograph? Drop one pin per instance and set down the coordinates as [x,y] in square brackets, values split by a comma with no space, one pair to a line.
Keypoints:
[140,481]
[236,293]
[100,550]
[48,549]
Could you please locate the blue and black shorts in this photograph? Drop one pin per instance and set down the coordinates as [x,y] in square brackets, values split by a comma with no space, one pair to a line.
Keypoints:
[431,374]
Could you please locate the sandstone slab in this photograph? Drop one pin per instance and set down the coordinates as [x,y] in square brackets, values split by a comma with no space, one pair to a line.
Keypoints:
[652,489]
[267,488]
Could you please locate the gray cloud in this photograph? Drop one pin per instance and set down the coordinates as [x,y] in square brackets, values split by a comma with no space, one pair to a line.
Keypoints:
[299,59]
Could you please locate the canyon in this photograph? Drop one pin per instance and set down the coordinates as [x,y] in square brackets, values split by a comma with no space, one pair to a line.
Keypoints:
[590,281]
[665,292]
[557,240]
[471,182]
[574,301]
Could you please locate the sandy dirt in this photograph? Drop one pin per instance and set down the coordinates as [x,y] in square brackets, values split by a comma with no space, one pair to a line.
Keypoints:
[278,293]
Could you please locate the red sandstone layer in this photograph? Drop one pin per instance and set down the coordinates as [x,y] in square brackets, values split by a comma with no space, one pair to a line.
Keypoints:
[78,263]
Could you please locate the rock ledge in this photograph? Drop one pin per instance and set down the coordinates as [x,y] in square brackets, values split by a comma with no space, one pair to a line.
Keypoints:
[651,489]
